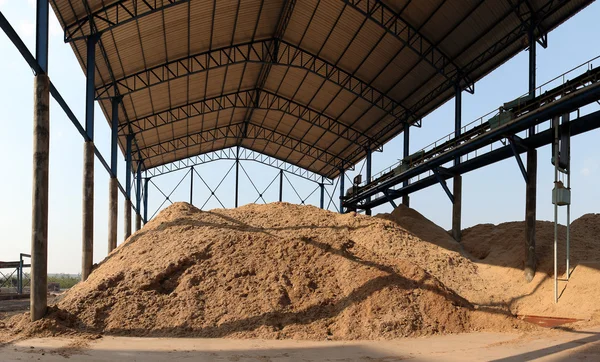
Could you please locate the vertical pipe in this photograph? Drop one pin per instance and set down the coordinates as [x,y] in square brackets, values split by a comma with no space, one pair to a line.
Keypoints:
[88,162]
[280,185]
[146,200]
[457,183]
[406,149]
[138,197]
[127,204]
[113,184]
[237,174]
[39,223]
[322,199]
[531,188]
[192,185]
[369,159]
[342,177]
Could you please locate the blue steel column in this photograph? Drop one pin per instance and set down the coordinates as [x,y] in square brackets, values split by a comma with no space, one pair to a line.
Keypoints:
[406,146]
[146,200]
[322,186]
[41,150]
[113,184]
[457,184]
[369,154]
[531,188]
[342,176]
[88,163]
[127,204]
[138,196]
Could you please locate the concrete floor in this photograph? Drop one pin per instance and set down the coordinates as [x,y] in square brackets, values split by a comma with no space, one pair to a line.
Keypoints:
[547,346]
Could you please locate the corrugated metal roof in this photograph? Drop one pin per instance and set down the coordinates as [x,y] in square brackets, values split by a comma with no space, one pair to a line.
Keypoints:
[314,83]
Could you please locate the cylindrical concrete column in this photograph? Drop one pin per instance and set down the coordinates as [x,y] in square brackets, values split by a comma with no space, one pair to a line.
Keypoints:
[113,206]
[530,211]
[457,208]
[39,208]
[88,210]
[138,221]
[127,226]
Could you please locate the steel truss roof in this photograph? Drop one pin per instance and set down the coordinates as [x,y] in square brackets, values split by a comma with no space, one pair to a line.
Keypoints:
[312,83]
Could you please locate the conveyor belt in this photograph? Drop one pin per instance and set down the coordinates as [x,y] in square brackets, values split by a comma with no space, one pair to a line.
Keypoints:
[567,97]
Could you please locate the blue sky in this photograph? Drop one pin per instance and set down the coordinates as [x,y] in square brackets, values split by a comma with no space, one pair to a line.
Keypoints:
[494,194]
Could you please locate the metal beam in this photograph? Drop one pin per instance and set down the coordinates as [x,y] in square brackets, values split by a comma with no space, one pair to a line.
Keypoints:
[444,185]
[342,179]
[109,17]
[248,99]
[284,18]
[513,147]
[233,131]
[258,52]
[514,35]
[409,36]
[245,155]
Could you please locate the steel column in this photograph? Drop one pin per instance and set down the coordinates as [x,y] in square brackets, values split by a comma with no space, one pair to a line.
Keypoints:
[146,180]
[406,149]
[88,163]
[368,160]
[127,204]
[39,223]
[192,185]
[41,34]
[322,199]
[457,183]
[280,185]
[113,184]
[237,174]
[342,177]
[138,197]
[531,190]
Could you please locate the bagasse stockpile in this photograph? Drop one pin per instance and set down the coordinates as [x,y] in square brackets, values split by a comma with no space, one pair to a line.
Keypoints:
[273,271]
[498,256]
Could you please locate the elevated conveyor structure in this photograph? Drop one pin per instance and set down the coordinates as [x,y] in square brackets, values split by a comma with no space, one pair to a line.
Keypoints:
[426,167]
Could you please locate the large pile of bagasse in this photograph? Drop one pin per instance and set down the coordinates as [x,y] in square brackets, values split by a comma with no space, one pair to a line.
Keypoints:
[275,271]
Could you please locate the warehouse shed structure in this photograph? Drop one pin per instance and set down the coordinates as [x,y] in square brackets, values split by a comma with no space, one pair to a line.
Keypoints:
[314,86]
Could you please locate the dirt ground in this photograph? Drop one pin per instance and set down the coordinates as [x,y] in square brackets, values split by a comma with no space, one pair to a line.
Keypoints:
[555,345]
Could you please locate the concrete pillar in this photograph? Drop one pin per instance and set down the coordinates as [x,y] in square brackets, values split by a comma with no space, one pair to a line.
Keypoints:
[138,221]
[127,214]
[406,153]
[457,208]
[39,212]
[88,210]
[113,205]
[530,217]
